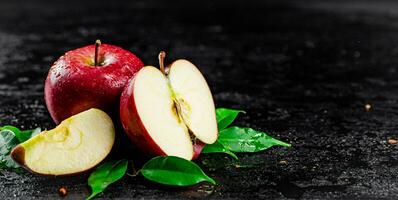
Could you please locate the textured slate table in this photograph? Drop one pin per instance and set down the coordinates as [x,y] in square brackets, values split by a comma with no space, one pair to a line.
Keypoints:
[302,71]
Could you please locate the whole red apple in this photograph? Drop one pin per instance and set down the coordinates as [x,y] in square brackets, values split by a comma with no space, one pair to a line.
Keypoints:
[169,111]
[89,77]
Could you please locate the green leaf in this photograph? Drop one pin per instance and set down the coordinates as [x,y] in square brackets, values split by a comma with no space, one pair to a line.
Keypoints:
[225,117]
[22,136]
[10,128]
[8,141]
[217,147]
[106,174]
[27,134]
[239,139]
[11,136]
[175,171]
[15,130]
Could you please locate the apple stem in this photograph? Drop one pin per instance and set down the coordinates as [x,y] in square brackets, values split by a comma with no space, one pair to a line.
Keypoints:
[161,57]
[97,45]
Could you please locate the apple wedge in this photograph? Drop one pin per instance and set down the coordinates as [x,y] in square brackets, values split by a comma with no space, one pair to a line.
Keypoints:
[76,145]
[169,111]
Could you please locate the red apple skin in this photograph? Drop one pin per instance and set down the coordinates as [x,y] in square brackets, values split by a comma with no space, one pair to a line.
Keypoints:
[197,149]
[132,124]
[73,84]
[136,130]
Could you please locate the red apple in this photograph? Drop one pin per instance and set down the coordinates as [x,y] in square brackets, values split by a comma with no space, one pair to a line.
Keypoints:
[169,111]
[89,77]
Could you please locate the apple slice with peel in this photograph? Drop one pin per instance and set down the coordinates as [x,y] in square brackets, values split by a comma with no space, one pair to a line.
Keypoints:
[169,111]
[76,145]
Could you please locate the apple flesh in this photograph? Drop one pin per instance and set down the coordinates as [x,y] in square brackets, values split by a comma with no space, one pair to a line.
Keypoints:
[169,113]
[76,145]
[74,83]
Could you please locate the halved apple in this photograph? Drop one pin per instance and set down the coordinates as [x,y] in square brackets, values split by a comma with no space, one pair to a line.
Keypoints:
[169,111]
[77,144]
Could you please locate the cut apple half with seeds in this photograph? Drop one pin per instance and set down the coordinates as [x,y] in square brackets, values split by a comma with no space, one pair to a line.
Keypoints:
[169,111]
[77,144]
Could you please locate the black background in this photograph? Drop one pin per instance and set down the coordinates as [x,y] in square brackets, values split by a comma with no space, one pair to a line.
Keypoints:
[303,71]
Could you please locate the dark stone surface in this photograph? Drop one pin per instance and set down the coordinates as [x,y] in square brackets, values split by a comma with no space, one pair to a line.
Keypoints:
[302,71]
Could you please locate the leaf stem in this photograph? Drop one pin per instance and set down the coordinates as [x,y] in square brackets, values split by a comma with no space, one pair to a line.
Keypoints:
[92,195]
